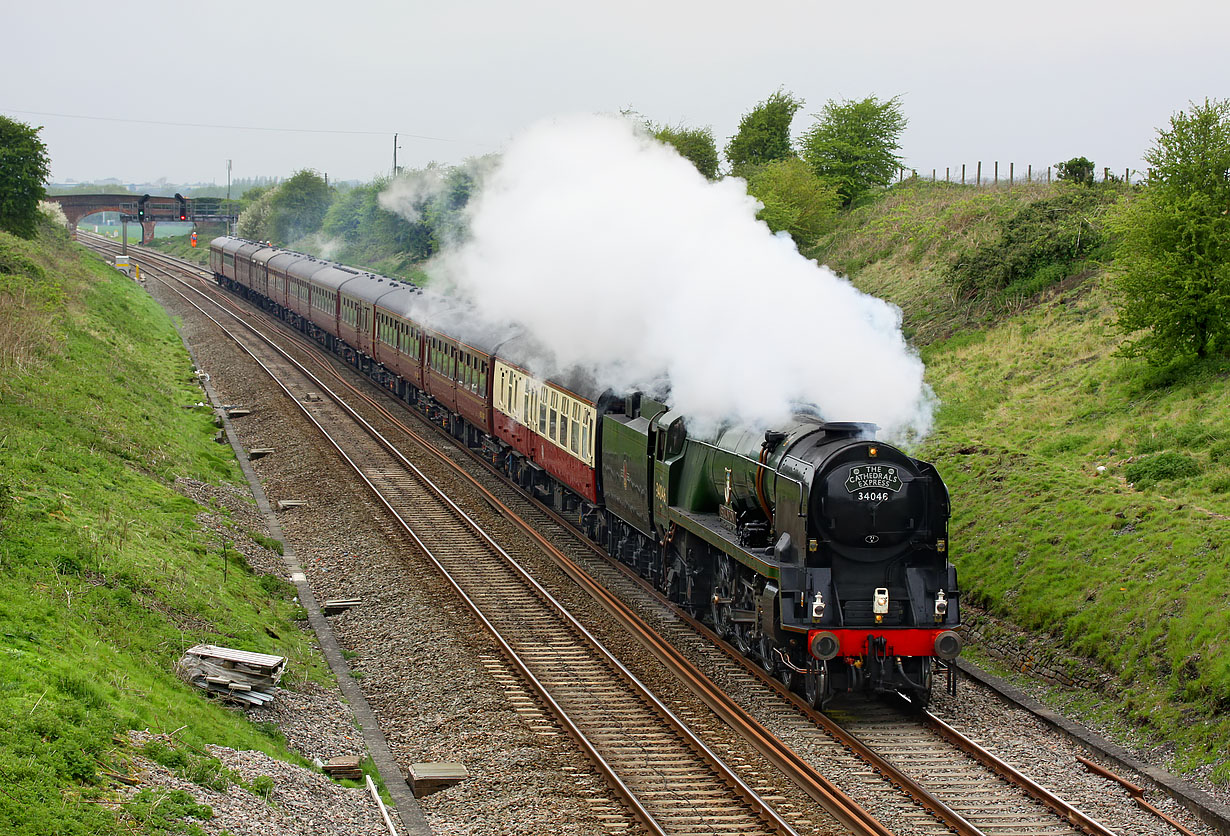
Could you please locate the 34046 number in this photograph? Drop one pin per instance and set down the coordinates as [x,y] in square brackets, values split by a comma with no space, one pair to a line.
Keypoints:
[872,496]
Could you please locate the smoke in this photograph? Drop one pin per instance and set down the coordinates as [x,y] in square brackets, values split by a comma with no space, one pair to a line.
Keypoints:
[325,246]
[408,194]
[619,257]
[437,195]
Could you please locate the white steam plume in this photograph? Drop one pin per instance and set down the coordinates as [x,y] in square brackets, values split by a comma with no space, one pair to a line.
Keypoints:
[620,257]
[407,194]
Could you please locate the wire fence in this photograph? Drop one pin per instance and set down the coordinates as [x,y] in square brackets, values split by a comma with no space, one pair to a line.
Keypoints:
[995,173]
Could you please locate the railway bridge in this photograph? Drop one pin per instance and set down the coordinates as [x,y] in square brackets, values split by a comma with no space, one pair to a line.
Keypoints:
[148,210]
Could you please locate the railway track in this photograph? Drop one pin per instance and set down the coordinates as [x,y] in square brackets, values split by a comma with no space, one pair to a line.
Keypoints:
[671,780]
[969,793]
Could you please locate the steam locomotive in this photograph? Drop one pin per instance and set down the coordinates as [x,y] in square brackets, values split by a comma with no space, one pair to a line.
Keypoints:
[815,550]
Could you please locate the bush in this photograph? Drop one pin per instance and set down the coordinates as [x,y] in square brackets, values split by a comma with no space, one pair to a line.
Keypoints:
[1173,243]
[1146,472]
[1076,170]
[24,169]
[794,200]
[1035,247]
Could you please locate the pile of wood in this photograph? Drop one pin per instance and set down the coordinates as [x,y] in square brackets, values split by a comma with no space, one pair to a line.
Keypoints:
[346,766]
[233,675]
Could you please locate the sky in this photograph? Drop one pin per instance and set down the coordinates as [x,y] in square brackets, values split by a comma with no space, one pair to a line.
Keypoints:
[143,91]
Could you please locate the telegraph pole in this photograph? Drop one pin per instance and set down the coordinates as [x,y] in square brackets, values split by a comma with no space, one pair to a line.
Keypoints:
[228,197]
[394,155]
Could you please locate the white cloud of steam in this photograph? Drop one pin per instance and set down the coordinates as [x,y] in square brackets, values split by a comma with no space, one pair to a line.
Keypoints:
[408,193]
[327,247]
[619,256]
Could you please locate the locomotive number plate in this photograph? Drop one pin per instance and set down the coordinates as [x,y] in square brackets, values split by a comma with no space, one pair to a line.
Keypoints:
[872,496]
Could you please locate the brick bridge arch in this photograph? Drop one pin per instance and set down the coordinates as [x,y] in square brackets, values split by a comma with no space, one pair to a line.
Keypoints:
[77,206]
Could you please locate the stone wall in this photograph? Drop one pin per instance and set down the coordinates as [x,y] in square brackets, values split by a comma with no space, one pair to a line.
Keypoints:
[1037,655]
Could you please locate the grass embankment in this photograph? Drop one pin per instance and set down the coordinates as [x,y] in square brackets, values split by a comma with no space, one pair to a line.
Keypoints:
[1125,567]
[108,575]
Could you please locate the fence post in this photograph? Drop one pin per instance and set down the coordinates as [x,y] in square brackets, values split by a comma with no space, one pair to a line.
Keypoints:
[1048,175]
[1029,173]
[933,175]
[1011,173]
[1126,177]
[979,183]
[946,174]
[996,181]
[962,174]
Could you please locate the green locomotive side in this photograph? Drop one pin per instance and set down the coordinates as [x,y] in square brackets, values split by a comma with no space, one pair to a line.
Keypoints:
[625,464]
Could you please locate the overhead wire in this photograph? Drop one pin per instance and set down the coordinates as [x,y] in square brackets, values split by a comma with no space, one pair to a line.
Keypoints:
[222,127]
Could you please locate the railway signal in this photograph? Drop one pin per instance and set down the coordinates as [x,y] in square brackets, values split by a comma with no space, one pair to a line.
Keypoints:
[183,206]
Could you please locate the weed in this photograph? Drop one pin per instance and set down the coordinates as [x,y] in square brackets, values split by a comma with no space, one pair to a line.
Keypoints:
[165,812]
[275,587]
[199,768]
[1150,470]
[262,787]
[1064,444]
[267,542]
[1036,246]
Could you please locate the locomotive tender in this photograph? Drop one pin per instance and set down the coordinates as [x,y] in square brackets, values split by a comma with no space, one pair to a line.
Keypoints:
[812,548]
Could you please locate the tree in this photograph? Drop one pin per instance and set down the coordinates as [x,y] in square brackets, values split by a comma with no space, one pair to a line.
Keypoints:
[1076,170]
[254,220]
[1171,274]
[795,200]
[764,134]
[694,144]
[298,206]
[24,169]
[854,145]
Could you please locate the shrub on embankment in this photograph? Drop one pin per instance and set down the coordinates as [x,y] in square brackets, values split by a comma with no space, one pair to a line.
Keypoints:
[1090,492]
[108,575]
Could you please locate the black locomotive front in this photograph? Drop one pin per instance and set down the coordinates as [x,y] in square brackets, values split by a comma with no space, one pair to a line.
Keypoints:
[882,597]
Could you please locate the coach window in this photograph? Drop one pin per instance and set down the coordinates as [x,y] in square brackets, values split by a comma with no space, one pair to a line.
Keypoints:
[553,427]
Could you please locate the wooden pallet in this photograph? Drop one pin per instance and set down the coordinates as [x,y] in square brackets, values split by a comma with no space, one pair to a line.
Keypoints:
[237,676]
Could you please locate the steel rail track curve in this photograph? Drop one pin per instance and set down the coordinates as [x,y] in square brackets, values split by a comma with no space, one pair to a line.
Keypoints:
[859,821]
[730,711]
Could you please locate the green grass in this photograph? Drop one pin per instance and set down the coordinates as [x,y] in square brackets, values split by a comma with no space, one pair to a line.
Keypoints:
[108,575]
[1126,567]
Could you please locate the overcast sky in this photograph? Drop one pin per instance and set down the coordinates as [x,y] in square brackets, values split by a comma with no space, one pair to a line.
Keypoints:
[141,91]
